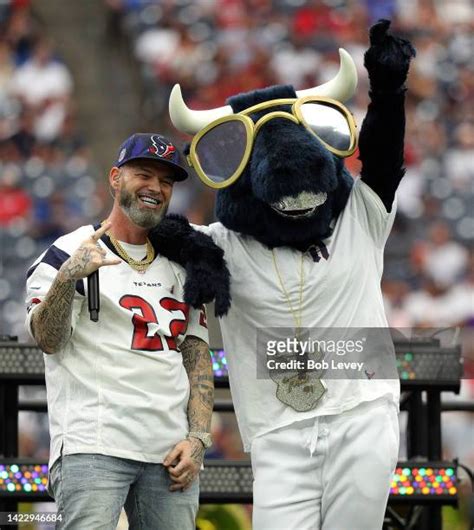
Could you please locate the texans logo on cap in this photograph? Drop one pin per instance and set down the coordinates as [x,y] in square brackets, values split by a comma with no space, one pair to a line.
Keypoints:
[152,146]
[161,148]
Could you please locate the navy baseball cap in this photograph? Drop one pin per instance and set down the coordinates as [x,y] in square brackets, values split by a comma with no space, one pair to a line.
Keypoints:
[153,147]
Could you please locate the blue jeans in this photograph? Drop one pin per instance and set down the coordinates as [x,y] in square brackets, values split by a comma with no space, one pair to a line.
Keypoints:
[91,489]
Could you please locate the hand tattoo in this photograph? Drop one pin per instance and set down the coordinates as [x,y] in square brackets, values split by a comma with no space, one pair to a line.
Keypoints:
[197,451]
[76,264]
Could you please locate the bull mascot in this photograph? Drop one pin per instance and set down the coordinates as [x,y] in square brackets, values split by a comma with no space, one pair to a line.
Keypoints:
[304,245]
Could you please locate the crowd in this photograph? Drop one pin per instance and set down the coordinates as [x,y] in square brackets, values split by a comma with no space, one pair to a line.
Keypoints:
[47,180]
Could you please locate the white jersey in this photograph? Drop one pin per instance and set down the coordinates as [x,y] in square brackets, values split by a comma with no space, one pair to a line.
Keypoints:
[119,386]
[342,291]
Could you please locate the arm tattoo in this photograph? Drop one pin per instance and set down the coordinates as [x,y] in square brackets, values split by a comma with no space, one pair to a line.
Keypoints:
[198,365]
[51,321]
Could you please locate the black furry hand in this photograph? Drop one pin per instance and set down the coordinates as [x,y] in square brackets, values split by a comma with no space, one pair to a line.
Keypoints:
[207,276]
[388,59]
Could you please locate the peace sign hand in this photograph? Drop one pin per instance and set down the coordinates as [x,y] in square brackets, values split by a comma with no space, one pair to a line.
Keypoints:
[87,258]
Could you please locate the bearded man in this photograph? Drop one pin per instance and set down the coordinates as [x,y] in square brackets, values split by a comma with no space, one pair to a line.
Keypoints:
[129,397]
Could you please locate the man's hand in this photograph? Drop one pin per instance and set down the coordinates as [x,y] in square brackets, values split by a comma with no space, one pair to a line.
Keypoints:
[51,321]
[87,258]
[184,463]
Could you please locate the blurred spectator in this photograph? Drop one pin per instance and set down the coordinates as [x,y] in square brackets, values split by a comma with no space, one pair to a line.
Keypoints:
[458,160]
[296,64]
[15,203]
[444,260]
[44,86]
[156,46]
[435,306]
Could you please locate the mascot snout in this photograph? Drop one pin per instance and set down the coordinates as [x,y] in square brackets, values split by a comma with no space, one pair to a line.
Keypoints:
[296,164]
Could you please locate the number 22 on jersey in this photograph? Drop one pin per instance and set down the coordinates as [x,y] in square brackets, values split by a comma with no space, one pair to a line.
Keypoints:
[144,319]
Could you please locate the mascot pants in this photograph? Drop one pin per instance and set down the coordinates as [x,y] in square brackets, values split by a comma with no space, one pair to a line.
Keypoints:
[327,473]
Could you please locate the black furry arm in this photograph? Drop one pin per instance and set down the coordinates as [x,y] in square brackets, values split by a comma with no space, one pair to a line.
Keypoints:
[381,145]
[207,276]
[381,140]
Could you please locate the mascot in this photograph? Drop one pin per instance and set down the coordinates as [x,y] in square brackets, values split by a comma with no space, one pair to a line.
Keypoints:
[304,245]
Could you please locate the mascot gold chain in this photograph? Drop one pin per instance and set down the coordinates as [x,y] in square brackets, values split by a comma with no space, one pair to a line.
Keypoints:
[304,245]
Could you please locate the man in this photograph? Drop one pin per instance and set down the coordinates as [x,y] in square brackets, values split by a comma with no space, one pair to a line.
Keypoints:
[129,397]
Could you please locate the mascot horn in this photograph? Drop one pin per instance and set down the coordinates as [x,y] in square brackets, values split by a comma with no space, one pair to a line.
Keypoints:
[304,245]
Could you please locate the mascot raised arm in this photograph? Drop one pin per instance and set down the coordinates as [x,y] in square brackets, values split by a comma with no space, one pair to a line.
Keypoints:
[304,245]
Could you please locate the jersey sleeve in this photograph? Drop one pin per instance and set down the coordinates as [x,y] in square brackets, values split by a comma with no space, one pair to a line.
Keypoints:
[370,213]
[41,276]
[197,324]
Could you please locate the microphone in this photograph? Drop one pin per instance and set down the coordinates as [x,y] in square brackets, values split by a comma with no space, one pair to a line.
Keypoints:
[93,295]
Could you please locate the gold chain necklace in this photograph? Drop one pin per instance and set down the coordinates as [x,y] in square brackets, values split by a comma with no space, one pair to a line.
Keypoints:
[303,390]
[298,313]
[140,266]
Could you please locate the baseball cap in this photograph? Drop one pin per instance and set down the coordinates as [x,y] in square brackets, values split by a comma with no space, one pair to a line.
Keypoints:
[153,147]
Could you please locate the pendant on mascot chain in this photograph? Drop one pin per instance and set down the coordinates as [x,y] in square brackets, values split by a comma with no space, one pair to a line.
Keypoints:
[300,389]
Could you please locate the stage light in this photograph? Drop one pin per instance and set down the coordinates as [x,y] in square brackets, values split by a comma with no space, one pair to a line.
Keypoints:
[20,359]
[430,482]
[224,481]
[436,365]
[25,478]
[219,362]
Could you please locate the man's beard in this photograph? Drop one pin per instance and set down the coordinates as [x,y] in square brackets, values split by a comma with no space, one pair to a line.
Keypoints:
[143,217]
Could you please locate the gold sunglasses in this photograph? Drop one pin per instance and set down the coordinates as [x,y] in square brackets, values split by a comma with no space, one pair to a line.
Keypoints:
[221,150]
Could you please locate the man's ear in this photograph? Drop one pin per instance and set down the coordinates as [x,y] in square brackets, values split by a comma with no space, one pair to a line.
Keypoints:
[114,177]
